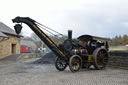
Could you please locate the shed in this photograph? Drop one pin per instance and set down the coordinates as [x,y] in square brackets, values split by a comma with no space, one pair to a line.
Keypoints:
[27,46]
[9,42]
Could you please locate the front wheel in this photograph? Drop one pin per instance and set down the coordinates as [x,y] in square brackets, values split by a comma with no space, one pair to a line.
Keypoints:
[60,64]
[75,63]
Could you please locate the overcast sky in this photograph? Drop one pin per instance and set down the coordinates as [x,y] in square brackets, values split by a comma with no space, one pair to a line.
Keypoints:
[105,18]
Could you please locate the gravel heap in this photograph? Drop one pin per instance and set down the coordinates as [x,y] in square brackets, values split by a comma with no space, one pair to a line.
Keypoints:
[48,58]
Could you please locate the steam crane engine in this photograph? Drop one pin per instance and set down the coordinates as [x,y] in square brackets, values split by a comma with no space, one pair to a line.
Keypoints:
[82,52]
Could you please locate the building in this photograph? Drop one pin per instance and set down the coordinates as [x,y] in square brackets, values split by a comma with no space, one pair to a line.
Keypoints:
[27,46]
[9,42]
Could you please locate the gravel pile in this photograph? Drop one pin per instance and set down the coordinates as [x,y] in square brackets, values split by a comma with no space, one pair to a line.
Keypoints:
[48,58]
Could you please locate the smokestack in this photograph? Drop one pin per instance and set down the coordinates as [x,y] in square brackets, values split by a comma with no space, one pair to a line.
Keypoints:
[70,34]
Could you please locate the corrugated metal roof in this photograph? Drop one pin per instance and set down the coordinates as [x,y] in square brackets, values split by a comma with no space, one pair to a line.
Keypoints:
[27,43]
[5,29]
[3,35]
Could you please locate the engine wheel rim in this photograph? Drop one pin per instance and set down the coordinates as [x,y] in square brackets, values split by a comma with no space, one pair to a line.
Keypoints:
[61,64]
[75,64]
[101,59]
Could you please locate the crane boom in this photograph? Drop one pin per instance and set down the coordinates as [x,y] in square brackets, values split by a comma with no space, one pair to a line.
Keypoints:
[32,24]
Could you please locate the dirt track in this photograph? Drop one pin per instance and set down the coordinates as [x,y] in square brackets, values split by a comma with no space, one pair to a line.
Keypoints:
[20,73]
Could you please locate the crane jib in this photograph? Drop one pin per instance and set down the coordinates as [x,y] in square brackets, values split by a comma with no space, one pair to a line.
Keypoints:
[32,24]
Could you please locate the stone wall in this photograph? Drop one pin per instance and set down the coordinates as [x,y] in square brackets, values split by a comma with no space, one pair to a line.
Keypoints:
[6,46]
[118,59]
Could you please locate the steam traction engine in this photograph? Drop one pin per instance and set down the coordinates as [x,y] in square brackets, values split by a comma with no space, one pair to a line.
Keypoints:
[77,53]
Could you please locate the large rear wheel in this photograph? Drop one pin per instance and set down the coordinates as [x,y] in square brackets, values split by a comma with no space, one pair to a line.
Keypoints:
[100,58]
[60,64]
[75,63]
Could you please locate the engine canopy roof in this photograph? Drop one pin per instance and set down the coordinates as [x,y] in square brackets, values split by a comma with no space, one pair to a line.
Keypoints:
[89,38]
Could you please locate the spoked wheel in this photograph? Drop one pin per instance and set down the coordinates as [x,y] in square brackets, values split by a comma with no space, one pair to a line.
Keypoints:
[75,63]
[100,58]
[60,64]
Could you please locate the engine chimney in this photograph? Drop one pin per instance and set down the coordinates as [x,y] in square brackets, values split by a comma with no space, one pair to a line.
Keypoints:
[70,34]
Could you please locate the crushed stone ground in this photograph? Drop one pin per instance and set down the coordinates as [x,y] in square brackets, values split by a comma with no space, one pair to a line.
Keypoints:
[22,73]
